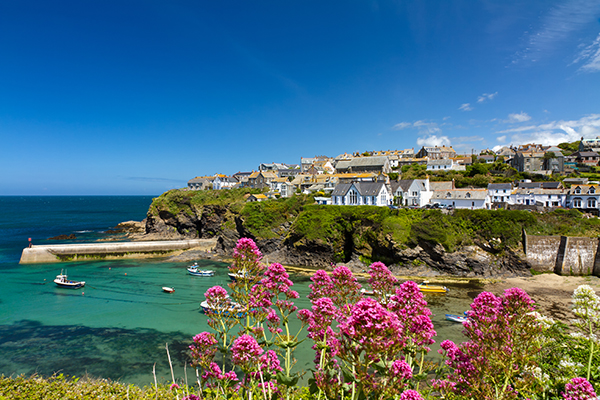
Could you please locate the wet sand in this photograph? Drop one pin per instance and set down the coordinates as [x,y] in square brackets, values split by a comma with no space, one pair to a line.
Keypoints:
[552,293]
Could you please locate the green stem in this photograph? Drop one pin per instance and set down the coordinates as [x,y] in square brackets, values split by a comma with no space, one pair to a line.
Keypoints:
[589,366]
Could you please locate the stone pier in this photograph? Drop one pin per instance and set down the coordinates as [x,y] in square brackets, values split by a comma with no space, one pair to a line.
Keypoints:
[111,250]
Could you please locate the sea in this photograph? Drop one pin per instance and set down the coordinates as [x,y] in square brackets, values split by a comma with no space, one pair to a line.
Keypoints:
[120,325]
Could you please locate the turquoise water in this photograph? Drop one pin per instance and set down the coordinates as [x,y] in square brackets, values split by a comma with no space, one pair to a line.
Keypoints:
[116,326]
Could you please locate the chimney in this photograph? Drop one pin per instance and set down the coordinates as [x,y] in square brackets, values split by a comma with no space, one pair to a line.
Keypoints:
[452,183]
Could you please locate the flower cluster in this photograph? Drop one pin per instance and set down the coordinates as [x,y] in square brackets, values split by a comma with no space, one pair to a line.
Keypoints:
[579,389]
[502,332]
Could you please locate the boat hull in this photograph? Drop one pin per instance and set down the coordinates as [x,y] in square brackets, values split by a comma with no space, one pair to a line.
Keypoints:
[456,318]
[196,272]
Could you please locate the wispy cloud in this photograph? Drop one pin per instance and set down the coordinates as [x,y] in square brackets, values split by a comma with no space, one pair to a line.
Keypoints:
[555,132]
[555,27]
[486,96]
[422,126]
[590,57]
[465,107]
[520,117]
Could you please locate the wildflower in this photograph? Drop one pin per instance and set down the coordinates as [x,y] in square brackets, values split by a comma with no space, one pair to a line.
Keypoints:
[245,350]
[579,389]
[174,386]
[410,395]
[191,397]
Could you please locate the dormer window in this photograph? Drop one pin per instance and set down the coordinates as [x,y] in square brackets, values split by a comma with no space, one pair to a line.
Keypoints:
[592,190]
[468,195]
[577,190]
[448,195]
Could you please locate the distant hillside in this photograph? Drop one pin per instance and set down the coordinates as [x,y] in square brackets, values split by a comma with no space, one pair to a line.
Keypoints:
[296,231]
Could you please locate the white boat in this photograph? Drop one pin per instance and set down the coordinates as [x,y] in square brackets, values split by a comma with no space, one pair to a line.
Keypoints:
[63,281]
[193,270]
[230,309]
[456,318]
[239,276]
[168,289]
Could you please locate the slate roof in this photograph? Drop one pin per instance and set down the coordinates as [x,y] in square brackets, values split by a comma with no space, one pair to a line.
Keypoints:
[364,188]
[444,185]
[499,186]
[460,194]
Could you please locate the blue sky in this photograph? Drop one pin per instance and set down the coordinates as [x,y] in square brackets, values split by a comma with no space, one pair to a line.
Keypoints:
[138,97]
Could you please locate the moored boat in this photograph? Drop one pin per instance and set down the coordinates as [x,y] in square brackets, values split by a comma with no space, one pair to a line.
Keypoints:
[193,270]
[456,318]
[230,309]
[425,287]
[168,289]
[63,281]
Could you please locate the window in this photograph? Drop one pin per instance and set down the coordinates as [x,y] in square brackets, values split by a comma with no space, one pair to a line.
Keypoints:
[591,203]
[468,195]
[577,190]
[577,203]
[592,190]
[353,197]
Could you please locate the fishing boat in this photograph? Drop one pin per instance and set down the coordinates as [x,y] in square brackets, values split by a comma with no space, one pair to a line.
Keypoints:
[193,270]
[456,318]
[238,276]
[230,309]
[63,281]
[167,289]
[425,287]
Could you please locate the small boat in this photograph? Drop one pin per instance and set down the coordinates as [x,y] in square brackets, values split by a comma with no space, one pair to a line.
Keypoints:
[230,309]
[425,287]
[193,270]
[456,318]
[63,281]
[239,276]
[168,289]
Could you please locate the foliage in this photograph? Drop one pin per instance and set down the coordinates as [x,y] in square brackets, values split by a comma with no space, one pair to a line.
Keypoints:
[263,218]
[182,200]
[569,148]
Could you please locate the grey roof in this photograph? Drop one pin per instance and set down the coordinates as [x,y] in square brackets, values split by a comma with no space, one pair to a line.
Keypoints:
[460,194]
[368,161]
[551,185]
[364,188]
[404,184]
[201,179]
[585,154]
[446,161]
[444,185]
[529,185]
[499,186]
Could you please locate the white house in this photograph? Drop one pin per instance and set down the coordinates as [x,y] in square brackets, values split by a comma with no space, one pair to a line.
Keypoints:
[444,165]
[584,197]
[539,196]
[361,193]
[499,192]
[418,194]
[462,198]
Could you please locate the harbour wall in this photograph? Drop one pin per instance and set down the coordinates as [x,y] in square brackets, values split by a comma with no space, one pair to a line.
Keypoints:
[563,255]
[111,250]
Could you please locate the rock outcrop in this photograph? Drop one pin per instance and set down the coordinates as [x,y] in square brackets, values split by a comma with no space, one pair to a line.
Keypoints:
[287,247]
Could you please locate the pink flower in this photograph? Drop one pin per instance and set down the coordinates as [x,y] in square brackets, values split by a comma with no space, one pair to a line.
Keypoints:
[191,397]
[174,386]
[410,395]
[401,370]
[579,389]
[245,350]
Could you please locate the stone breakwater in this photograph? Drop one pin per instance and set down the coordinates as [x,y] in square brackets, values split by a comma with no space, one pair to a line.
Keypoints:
[112,250]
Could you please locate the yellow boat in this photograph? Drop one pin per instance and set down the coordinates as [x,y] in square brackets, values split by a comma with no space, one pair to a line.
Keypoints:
[425,287]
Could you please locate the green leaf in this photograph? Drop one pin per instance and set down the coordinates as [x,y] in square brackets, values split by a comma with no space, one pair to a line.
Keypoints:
[288,381]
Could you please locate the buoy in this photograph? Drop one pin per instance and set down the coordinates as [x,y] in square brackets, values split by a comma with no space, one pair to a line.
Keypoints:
[82,293]
[125,273]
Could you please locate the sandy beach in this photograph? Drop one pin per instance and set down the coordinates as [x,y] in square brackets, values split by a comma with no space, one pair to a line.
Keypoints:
[552,293]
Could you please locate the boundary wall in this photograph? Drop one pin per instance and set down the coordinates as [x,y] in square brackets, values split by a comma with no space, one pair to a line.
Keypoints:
[563,255]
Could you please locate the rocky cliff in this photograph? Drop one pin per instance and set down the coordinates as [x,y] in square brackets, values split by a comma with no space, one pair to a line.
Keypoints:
[349,238]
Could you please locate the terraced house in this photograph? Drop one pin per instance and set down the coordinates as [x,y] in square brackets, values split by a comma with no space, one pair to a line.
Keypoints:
[361,193]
